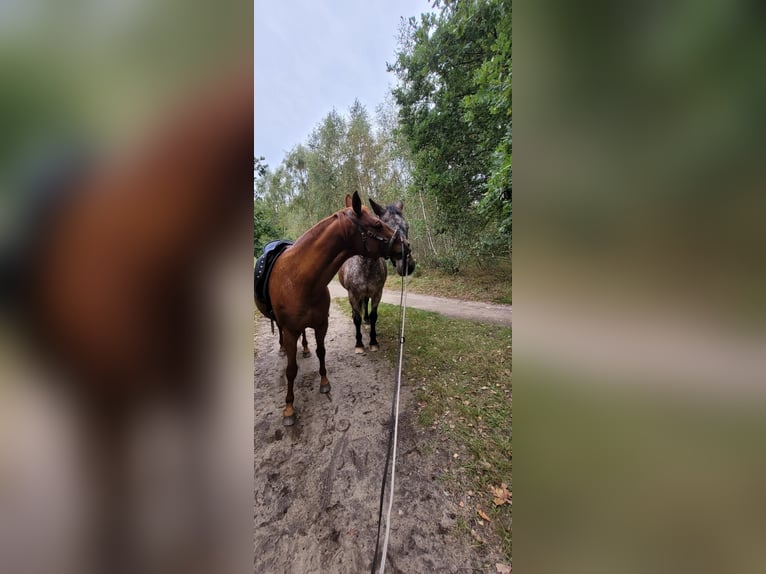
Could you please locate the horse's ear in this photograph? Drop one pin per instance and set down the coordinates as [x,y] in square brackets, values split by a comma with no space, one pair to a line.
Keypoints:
[379,211]
[399,205]
[348,200]
[356,203]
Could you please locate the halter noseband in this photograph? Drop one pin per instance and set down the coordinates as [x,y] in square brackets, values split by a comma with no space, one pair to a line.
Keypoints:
[366,233]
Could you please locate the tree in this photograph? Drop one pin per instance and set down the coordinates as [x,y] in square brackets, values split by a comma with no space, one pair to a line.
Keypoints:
[264,229]
[264,219]
[259,168]
[454,70]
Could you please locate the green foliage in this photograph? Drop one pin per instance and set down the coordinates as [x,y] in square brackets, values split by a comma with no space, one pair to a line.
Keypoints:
[441,142]
[455,96]
[265,218]
[264,227]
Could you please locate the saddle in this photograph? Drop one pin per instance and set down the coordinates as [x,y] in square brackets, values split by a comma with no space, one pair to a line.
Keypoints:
[46,188]
[262,272]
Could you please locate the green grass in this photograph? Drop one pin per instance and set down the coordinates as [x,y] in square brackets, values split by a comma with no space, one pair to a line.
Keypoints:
[461,373]
[491,283]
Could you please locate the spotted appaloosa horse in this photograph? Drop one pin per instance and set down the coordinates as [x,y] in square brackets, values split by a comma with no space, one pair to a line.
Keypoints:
[298,283]
[364,277]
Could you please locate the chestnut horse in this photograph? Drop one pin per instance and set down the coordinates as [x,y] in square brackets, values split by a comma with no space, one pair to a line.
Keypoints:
[112,286]
[364,277]
[298,283]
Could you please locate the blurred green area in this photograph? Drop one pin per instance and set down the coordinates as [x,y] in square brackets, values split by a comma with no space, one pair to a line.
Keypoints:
[88,71]
[640,287]
[642,136]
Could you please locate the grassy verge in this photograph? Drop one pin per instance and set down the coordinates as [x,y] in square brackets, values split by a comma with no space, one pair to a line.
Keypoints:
[491,283]
[461,373]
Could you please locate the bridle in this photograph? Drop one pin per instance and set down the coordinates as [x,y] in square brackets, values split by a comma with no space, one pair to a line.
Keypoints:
[365,233]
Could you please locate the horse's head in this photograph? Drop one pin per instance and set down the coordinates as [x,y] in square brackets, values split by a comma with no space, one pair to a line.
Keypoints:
[392,216]
[373,237]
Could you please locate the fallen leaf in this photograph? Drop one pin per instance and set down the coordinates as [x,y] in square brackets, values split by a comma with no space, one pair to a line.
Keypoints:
[500,495]
[503,568]
[483,514]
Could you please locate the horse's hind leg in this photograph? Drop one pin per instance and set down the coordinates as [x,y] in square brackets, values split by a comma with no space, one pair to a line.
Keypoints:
[306,352]
[373,320]
[365,302]
[281,343]
[320,332]
[291,347]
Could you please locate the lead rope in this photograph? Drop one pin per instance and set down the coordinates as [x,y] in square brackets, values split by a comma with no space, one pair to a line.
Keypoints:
[392,437]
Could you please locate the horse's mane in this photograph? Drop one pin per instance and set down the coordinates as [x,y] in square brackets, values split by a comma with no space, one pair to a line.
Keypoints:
[392,209]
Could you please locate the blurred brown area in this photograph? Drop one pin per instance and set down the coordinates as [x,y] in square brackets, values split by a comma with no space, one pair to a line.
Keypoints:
[125,166]
[639,303]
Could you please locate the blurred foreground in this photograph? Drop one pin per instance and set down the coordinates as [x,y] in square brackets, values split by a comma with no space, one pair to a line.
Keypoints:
[126,338]
[639,316]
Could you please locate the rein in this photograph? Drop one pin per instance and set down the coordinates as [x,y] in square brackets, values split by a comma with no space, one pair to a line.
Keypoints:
[392,438]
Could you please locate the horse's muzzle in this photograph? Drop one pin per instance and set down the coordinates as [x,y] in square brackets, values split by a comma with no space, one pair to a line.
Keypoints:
[390,245]
[405,265]
[403,260]
[404,246]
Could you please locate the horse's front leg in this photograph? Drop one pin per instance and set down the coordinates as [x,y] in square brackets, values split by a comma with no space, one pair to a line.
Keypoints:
[306,352]
[359,347]
[291,348]
[320,332]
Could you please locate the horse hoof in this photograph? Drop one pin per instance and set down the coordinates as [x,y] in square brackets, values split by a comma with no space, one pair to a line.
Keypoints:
[324,389]
[374,348]
[289,421]
[306,354]
[359,350]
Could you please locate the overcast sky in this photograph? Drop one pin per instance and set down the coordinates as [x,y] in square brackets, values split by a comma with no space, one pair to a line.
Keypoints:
[313,55]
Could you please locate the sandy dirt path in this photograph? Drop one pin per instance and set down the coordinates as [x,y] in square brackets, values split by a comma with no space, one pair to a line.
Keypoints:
[470,310]
[317,484]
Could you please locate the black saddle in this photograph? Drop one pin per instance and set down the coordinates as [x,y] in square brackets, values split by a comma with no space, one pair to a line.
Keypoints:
[46,188]
[262,272]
